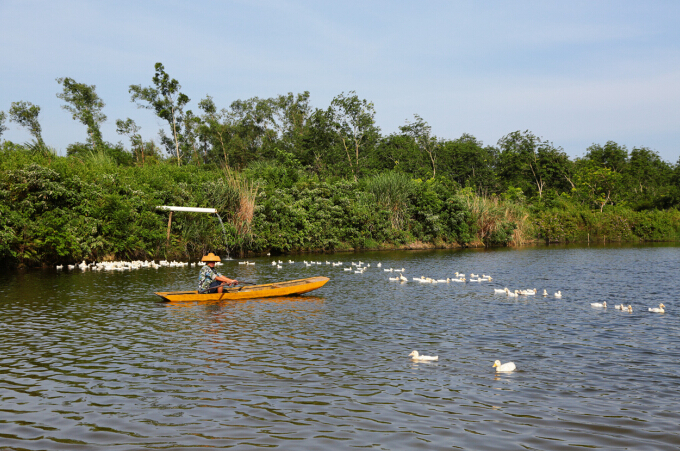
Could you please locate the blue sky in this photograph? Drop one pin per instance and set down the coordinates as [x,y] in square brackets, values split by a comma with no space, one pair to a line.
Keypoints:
[575,73]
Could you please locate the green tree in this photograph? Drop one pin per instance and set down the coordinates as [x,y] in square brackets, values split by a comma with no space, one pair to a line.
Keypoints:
[3,127]
[214,131]
[354,123]
[647,177]
[291,114]
[467,162]
[168,103]
[130,129]
[318,141]
[86,106]
[421,132]
[400,153]
[611,156]
[530,164]
[597,186]
[26,115]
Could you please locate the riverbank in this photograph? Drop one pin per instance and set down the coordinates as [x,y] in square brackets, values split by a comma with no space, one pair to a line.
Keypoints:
[56,210]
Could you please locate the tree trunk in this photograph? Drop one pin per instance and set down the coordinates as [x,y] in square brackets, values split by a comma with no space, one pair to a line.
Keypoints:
[174,132]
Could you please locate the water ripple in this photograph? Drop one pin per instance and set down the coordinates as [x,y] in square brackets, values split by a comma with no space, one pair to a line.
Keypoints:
[95,360]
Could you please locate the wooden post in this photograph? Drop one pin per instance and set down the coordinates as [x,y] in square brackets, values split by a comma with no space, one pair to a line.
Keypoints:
[169,223]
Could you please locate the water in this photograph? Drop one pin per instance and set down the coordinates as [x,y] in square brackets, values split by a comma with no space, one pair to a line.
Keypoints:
[91,360]
[224,234]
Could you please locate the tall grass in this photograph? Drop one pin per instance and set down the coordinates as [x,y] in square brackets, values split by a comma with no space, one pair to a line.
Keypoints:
[243,193]
[392,191]
[497,221]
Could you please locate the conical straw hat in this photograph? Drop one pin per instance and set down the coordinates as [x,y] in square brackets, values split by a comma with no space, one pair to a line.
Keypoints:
[211,258]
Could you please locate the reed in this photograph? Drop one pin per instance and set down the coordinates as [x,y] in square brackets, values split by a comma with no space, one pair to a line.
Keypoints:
[243,194]
[497,221]
[392,191]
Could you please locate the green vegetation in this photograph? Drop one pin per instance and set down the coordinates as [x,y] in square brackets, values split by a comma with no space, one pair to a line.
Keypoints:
[287,177]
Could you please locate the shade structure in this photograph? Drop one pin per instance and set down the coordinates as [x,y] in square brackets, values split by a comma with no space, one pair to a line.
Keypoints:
[190,209]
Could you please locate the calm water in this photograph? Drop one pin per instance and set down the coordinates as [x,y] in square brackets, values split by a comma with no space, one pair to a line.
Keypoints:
[92,360]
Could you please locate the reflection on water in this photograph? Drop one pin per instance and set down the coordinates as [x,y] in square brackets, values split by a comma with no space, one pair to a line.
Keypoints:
[93,359]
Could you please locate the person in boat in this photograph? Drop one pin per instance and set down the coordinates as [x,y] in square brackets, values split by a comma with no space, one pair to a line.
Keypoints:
[209,280]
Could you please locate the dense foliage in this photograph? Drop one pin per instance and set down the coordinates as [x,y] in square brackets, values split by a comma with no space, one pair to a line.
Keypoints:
[287,177]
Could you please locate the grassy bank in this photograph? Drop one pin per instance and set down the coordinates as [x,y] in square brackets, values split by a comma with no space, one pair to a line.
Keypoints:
[64,209]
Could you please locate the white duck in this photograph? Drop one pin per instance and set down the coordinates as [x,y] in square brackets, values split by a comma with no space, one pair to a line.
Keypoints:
[599,304]
[545,292]
[506,367]
[558,294]
[619,307]
[628,309]
[661,309]
[500,290]
[423,358]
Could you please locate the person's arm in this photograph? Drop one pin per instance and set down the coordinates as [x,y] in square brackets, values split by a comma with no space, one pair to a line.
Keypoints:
[226,280]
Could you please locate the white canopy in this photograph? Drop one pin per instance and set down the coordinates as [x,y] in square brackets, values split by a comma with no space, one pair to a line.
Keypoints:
[191,209]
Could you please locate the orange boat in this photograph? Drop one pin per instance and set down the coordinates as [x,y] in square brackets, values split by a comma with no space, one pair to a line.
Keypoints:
[267,290]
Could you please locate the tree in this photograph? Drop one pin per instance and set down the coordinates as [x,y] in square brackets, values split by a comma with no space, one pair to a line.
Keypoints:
[420,131]
[611,156]
[213,131]
[166,100]
[26,115]
[533,165]
[399,153]
[354,123]
[85,106]
[597,185]
[647,176]
[290,116]
[130,129]
[3,127]
[466,161]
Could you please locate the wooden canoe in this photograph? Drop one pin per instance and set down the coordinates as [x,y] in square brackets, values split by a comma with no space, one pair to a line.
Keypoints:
[267,290]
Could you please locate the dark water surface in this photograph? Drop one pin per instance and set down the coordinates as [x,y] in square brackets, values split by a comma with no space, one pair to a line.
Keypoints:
[94,360]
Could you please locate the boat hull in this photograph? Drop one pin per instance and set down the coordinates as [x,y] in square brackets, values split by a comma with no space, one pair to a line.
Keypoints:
[287,288]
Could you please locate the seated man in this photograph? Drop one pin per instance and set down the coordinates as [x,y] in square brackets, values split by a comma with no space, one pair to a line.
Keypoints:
[209,280]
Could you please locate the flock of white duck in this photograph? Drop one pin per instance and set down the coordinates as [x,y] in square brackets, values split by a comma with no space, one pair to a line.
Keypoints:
[122,266]
[359,268]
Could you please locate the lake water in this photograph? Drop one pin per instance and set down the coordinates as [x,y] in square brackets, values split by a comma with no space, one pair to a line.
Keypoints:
[92,359]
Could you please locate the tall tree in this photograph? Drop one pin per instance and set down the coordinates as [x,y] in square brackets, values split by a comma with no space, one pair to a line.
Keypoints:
[85,105]
[421,132]
[611,156]
[647,175]
[469,163]
[597,185]
[26,115]
[354,122]
[533,165]
[214,131]
[166,100]
[130,129]
[3,127]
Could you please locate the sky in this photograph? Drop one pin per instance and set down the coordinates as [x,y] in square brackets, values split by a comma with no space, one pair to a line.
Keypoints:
[575,73]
